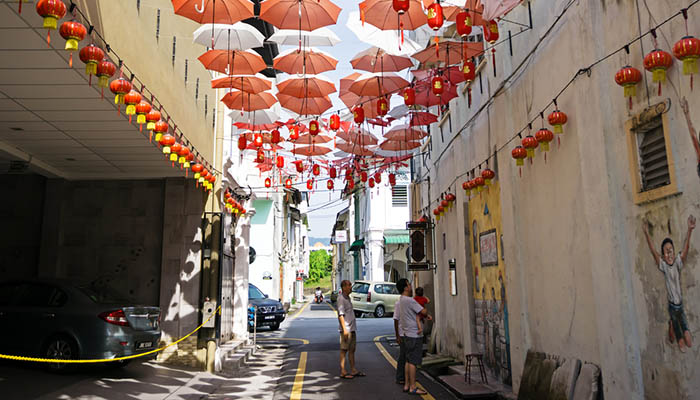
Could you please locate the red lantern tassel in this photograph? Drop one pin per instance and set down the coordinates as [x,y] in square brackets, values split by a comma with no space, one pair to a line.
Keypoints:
[173,164]
[520,171]
[630,102]
[150,137]
[187,173]
[469,97]
[691,83]
[362,14]
[140,127]
[70,60]
[659,88]
[129,118]
[437,46]
[20,6]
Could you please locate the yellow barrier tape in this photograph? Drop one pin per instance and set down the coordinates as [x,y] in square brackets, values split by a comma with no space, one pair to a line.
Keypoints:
[93,361]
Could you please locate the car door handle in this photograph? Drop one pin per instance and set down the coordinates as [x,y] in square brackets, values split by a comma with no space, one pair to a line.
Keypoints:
[49,315]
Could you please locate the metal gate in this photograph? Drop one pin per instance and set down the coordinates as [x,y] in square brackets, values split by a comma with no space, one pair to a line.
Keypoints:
[226,279]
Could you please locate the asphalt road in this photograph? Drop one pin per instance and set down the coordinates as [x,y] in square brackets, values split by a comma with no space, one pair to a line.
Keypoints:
[299,361]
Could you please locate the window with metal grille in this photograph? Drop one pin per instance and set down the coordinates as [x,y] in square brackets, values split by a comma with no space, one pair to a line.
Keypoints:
[399,196]
[653,161]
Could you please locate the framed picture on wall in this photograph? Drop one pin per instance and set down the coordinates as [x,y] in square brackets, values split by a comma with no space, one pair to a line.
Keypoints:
[488,248]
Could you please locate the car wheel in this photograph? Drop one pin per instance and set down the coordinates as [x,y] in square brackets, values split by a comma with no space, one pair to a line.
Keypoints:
[379,311]
[358,314]
[64,348]
[275,326]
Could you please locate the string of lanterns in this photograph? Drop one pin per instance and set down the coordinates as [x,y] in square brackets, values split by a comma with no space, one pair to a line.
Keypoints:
[175,147]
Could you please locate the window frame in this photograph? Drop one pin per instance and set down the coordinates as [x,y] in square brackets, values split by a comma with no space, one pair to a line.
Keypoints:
[640,196]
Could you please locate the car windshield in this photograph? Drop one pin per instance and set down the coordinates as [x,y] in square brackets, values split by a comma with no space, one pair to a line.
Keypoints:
[103,294]
[360,287]
[255,293]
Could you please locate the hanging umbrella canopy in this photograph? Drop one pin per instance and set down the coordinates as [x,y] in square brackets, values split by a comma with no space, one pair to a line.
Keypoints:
[375,59]
[307,61]
[381,14]
[234,62]
[398,145]
[305,106]
[266,137]
[262,117]
[422,118]
[318,37]
[450,9]
[389,41]
[248,83]
[450,52]
[375,85]
[267,146]
[311,140]
[497,8]
[214,11]
[306,86]
[238,100]
[311,151]
[426,97]
[405,133]
[452,74]
[358,136]
[394,154]
[356,149]
[239,36]
[305,15]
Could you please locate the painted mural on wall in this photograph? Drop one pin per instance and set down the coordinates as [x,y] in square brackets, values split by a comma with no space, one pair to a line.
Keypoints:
[492,333]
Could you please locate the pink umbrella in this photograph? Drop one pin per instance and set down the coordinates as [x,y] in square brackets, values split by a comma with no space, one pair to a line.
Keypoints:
[422,118]
[497,8]
[354,149]
[310,140]
[405,133]
[361,137]
[311,151]
[398,145]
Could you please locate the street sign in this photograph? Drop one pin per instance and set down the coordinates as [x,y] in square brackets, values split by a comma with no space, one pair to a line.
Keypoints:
[424,266]
[416,225]
[341,236]
[417,245]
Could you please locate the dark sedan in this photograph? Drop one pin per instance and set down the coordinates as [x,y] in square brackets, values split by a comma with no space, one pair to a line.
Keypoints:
[54,319]
[269,312]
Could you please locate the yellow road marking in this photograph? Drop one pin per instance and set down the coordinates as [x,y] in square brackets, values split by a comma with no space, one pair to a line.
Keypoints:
[332,308]
[304,341]
[301,310]
[299,378]
[393,363]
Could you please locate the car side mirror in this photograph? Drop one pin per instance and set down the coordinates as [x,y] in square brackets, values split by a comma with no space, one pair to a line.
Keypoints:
[265,296]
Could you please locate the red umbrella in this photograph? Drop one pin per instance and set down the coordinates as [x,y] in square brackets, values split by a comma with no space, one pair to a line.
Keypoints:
[233,62]
[310,140]
[375,59]
[449,52]
[375,85]
[238,100]
[306,61]
[255,127]
[381,14]
[306,86]
[405,133]
[473,7]
[426,97]
[246,83]
[305,106]
[359,136]
[422,118]
[452,74]
[398,145]
[305,15]
[214,11]
[311,151]
[355,149]
[266,137]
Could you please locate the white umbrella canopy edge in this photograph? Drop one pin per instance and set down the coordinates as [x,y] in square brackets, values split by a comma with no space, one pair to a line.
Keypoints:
[243,36]
[319,37]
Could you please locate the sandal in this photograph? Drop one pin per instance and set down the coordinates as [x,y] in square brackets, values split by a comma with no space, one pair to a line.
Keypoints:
[347,376]
[417,391]
[359,373]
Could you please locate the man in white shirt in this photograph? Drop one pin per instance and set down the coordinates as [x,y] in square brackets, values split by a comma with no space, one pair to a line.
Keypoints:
[348,328]
[412,340]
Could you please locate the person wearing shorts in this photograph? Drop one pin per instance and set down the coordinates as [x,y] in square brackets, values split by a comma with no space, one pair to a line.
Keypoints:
[348,331]
[412,340]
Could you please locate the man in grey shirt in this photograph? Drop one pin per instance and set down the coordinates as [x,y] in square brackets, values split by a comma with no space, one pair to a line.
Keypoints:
[408,309]
[348,328]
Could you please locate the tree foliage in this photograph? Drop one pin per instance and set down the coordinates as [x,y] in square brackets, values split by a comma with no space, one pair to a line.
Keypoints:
[320,264]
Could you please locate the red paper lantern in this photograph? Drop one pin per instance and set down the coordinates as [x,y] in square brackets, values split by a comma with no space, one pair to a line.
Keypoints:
[275,137]
[464,24]
[441,210]
[348,174]
[288,183]
[469,70]
[310,184]
[73,32]
[479,183]
[152,117]
[400,6]
[260,158]
[423,219]
[174,152]
[392,179]
[358,114]
[142,109]
[258,140]
[544,136]
[280,162]
[378,177]
[294,133]
[120,87]
[167,141]
[657,62]
[444,203]
[242,143]
[332,172]
[435,17]
[105,70]
[465,187]
[436,213]
[628,77]
[197,169]
[409,96]
[371,183]
[316,169]
[182,156]
[131,99]
[335,122]
[313,128]
[300,166]
[330,184]
[351,184]
[530,144]
[488,175]
[688,50]
[557,119]
[519,154]
[363,176]
[382,106]
[51,11]
[491,31]
[91,55]
[160,128]
[437,84]
[268,182]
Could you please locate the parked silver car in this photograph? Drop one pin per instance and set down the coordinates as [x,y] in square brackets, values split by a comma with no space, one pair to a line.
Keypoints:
[54,319]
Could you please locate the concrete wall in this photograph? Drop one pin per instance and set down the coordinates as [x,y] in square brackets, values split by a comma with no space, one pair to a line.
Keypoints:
[580,278]
[262,229]
[21,210]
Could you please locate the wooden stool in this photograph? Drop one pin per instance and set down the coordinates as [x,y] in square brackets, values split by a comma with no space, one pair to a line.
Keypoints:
[480,363]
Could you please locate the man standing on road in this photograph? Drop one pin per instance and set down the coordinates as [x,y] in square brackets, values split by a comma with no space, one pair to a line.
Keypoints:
[348,328]
[401,363]
[412,341]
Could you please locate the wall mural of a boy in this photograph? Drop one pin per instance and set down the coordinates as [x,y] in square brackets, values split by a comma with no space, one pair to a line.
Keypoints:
[671,264]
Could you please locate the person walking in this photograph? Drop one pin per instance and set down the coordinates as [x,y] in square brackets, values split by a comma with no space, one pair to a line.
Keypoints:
[401,363]
[408,327]
[348,331]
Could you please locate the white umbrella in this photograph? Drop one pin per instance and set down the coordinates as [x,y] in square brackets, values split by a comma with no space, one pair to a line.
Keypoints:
[389,41]
[239,36]
[259,117]
[318,37]
[386,153]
